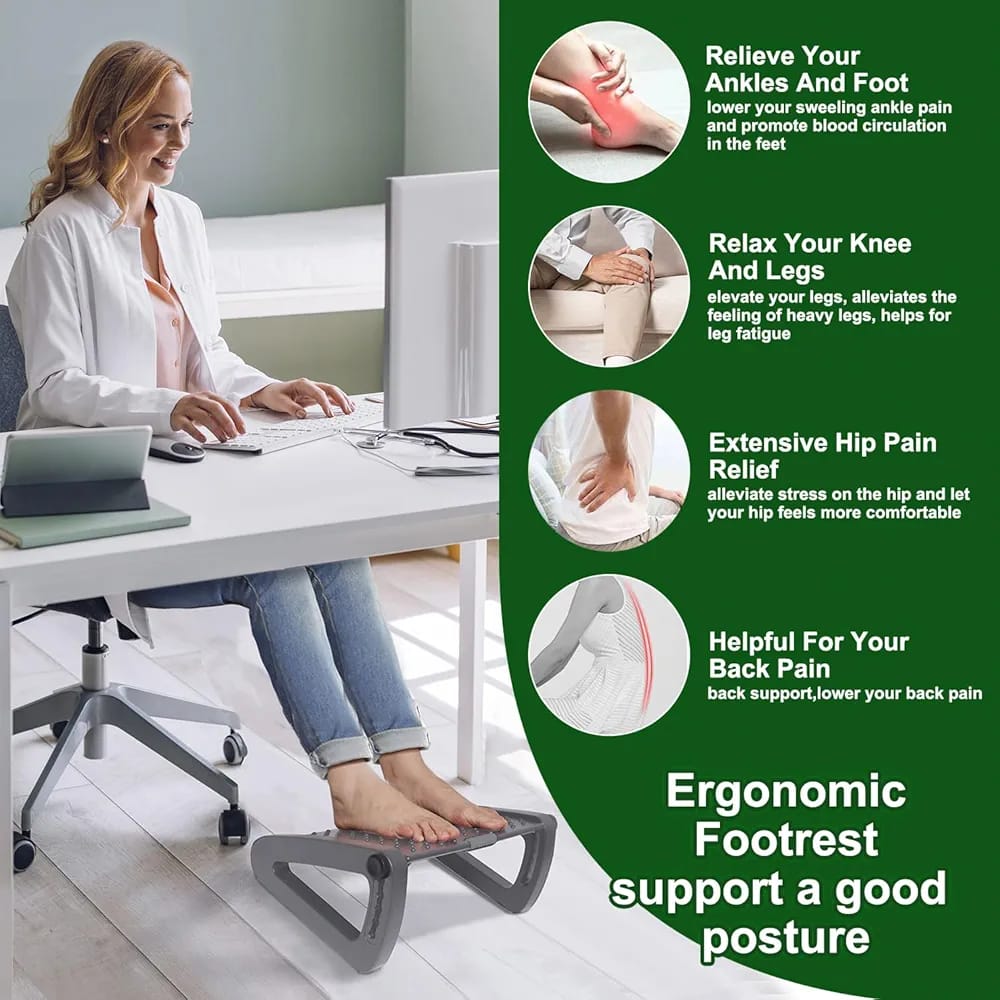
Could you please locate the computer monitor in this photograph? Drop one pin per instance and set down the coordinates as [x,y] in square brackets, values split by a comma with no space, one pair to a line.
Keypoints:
[442,321]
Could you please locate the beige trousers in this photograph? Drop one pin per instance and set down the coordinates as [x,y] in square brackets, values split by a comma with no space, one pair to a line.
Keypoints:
[625,306]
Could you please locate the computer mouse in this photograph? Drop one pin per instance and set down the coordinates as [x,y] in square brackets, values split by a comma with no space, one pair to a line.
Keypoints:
[175,451]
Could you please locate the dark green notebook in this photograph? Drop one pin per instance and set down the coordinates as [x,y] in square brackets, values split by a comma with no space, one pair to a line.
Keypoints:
[33,532]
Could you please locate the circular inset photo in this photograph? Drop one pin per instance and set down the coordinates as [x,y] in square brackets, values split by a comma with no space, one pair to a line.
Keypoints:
[609,101]
[609,470]
[609,286]
[609,655]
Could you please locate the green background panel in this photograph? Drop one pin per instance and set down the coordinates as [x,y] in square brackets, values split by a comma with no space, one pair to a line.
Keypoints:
[933,581]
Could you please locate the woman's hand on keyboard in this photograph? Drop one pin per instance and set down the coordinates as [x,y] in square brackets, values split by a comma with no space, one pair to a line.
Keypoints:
[293,397]
[209,410]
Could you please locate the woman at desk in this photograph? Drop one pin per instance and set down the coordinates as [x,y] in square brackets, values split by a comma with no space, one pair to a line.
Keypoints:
[113,300]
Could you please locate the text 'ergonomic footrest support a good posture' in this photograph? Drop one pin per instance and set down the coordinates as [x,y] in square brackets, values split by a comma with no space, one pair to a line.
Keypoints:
[385,862]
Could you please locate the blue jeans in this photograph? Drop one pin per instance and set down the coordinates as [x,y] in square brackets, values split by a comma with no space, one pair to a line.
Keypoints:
[328,652]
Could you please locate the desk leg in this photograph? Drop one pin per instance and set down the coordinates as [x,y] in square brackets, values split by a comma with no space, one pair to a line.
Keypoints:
[6,813]
[471,608]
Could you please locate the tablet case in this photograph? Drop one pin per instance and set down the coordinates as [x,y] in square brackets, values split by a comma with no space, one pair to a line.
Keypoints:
[74,470]
[74,498]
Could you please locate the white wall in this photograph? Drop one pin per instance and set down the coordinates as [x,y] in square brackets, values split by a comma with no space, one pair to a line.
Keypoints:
[452,85]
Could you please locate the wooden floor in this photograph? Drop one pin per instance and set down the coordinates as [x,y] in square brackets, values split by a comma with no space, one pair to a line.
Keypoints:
[132,896]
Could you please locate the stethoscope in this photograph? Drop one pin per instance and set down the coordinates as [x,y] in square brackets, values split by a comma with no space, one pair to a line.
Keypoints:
[374,440]
[427,436]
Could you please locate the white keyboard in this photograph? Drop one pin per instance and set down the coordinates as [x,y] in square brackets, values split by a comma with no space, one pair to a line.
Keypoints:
[290,432]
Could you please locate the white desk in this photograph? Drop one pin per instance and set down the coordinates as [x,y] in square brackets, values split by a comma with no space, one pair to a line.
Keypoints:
[315,503]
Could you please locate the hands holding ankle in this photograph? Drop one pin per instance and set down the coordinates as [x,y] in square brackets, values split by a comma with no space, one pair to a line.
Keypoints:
[569,101]
[612,74]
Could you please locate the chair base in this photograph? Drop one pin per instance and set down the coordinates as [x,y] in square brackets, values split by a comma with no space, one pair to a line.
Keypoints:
[82,713]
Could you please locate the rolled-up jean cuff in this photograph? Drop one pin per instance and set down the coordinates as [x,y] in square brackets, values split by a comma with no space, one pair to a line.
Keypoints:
[412,738]
[334,752]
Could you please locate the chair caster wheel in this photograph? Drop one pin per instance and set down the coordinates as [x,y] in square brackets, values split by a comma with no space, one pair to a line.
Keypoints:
[234,748]
[57,729]
[24,852]
[233,823]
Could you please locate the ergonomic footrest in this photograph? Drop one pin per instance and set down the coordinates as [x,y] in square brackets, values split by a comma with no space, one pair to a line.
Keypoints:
[385,861]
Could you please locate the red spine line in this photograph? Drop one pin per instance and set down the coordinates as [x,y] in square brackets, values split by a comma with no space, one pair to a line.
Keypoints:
[647,646]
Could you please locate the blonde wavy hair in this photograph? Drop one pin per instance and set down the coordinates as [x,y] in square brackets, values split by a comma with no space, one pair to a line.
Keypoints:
[117,90]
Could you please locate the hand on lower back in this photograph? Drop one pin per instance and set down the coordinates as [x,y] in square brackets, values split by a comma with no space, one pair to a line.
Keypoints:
[601,482]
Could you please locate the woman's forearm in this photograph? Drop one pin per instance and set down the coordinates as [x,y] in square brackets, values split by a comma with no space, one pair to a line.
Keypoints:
[74,397]
[549,662]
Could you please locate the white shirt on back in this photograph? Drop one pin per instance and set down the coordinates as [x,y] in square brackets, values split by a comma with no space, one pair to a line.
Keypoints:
[618,518]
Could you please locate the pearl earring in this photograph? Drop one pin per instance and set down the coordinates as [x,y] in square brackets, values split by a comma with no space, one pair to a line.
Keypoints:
[105,139]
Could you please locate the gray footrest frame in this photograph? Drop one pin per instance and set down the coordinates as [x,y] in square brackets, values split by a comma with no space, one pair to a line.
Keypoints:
[385,862]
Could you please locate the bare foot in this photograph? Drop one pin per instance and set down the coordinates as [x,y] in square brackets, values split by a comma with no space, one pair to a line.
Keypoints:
[362,801]
[407,772]
[571,60]
[633,123]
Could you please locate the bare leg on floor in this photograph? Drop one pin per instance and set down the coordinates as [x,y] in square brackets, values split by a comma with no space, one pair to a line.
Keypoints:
[632,122]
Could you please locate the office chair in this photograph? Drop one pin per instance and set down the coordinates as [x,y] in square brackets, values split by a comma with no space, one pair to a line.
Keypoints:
[78,714]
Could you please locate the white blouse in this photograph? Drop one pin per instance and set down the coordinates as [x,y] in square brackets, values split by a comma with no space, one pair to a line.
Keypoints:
[78,299]
[79,302]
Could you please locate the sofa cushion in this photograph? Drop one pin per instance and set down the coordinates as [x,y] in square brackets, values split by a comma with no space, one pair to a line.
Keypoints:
[558,311]
[547,497]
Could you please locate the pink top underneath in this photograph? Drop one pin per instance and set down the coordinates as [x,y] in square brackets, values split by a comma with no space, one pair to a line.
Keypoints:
[174,336]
